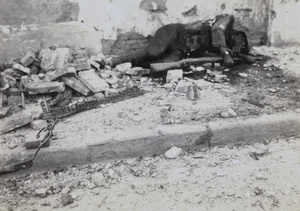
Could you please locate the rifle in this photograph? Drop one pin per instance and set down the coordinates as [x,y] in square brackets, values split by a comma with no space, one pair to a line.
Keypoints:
[159,67]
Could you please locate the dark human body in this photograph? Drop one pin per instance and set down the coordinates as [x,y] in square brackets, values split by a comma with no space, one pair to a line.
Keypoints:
[174,42]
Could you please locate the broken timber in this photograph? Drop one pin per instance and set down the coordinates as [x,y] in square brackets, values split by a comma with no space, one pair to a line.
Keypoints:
[15,121]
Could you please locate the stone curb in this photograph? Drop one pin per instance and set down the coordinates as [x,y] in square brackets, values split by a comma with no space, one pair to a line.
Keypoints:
[224,132]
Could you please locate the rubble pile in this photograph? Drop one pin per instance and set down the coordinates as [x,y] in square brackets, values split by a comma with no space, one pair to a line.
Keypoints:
[53,76]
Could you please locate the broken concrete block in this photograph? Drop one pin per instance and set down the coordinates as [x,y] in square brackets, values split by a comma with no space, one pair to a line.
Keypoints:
[183,85]
[229,114]
[172,153]
[99,96]
[46,87]
[28,58]
[29,79]
[61,57]
[174,74]
[15,121]
[48,59]
[43,52]
[64,71]
[21,68]
[77,85]
[123,67]
[98,58]
[192,92]
[35,110]
[94,64]
[104,75]
[32,142]
[93,81]
[3,112]
[38,124]
[98,179]
[138,71]
[220,78]
[81,65]
[112,80]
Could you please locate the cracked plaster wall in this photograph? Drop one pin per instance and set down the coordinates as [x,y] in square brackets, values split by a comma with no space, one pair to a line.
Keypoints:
[284,25]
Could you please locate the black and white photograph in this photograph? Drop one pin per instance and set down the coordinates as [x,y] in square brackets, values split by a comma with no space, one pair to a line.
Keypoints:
[150,105]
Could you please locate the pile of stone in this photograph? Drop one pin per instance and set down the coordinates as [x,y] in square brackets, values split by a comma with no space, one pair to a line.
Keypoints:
[58,73]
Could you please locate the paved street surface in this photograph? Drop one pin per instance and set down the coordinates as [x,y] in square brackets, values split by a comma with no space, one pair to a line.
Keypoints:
[260,176]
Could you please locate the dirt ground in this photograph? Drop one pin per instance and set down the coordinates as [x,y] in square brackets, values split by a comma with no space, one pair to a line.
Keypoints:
[226,178]
[266,87]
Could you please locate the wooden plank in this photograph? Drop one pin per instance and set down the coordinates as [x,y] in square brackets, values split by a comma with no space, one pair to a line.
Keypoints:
[15,121]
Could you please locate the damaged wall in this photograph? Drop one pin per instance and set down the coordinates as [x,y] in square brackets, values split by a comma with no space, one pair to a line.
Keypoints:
[284,28]
[97,24]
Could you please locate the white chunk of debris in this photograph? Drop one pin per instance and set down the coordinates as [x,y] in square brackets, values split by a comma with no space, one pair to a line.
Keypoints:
[172,153]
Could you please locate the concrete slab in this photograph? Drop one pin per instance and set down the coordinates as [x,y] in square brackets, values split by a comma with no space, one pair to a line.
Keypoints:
[134,143]
[93,81]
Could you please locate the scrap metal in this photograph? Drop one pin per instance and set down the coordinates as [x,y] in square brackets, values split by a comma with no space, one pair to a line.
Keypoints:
[63,111]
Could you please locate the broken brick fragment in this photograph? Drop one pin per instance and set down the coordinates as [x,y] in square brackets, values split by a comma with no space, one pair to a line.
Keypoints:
[46,87]
[28,59]
[93,81]
[25,70]
[77,85]
[56,74]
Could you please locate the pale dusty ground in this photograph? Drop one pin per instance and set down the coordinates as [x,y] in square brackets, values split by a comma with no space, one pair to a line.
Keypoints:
[225,178]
